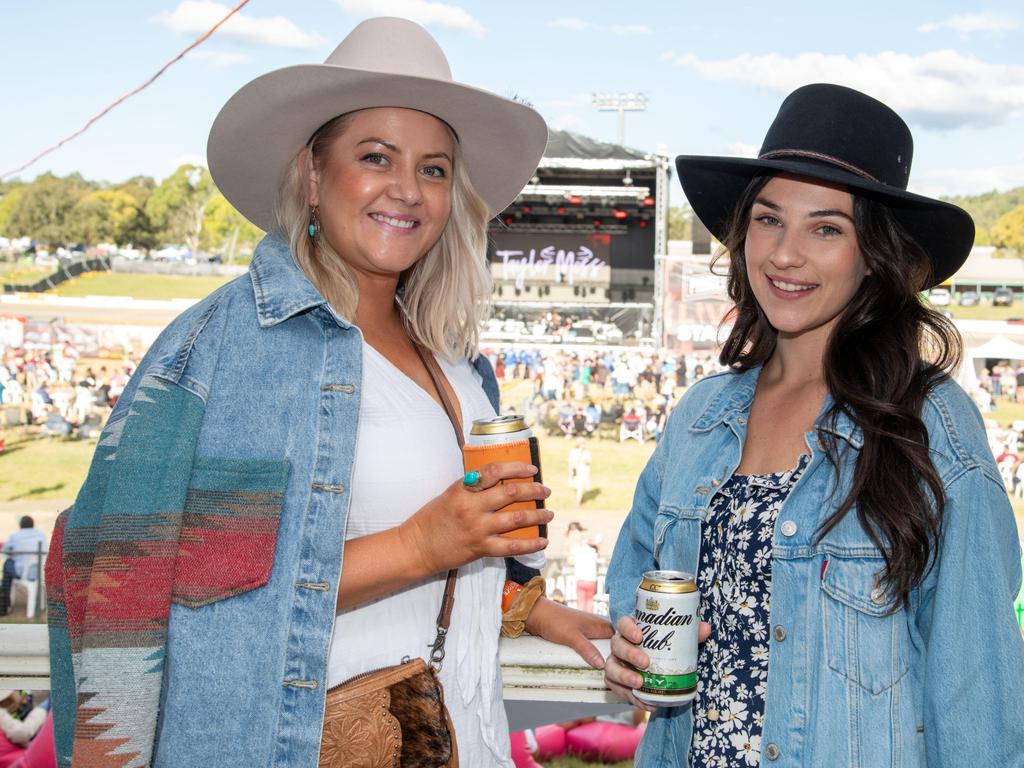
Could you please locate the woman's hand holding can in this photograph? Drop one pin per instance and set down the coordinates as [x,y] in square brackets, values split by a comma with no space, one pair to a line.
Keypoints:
[464,523]
[626,658]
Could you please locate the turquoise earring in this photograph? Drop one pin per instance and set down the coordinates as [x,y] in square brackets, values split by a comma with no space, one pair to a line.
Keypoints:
[314,222]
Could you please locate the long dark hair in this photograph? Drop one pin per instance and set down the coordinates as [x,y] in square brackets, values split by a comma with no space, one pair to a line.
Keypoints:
[886,352]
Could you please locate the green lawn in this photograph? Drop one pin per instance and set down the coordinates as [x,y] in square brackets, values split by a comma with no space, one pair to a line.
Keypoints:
[22,274]
[161,287]
[37,468]
[1006,412]
[614,469]
[985,311]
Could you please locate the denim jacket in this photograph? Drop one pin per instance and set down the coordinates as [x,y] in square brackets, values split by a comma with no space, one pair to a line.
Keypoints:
[225,466]
[940,683]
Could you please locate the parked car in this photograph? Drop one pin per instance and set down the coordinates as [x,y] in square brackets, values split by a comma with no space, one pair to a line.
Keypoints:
[1002,297]
[939,297]
[970,299]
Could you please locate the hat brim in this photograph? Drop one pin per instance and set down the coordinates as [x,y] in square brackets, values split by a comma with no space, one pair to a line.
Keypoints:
[261,129]
[713,186]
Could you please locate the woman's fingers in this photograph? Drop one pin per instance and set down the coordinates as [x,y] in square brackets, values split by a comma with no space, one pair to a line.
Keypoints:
[492,474]
[622,680]
[704,632]
[513,519]
[630,630]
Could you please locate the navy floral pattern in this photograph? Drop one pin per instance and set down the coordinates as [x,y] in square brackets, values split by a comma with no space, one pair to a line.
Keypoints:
[735,580]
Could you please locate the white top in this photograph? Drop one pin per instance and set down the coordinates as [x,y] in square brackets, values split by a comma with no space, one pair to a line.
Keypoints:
[405,456]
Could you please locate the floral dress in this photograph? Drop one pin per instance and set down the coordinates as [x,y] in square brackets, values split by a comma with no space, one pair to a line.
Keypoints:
[735,580]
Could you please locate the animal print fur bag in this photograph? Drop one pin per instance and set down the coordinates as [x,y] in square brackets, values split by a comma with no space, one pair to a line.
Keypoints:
[391,718]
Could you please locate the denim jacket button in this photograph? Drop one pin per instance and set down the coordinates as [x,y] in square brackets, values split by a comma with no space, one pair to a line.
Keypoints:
[878,596]
[788,528]
[779,632]
[772,751]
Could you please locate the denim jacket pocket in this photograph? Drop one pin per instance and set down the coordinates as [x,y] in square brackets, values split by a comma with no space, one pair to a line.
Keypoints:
[864,642]
[229,528]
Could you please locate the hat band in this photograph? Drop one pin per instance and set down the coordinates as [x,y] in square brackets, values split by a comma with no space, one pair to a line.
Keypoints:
[818,156]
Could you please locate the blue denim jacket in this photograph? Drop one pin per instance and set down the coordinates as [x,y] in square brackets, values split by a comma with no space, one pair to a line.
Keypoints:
[940,683]
[271,376]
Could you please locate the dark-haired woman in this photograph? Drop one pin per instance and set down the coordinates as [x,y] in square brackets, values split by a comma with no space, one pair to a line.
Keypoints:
[833,493]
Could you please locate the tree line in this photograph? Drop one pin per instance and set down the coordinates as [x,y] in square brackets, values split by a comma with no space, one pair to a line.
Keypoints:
[185,208]
[998,217]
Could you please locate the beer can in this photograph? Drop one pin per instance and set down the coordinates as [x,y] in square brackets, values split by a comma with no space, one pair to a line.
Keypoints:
[666,611]
[498,429]
[506,438]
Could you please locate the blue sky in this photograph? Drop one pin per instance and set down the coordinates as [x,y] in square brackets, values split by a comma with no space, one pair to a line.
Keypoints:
[714,72]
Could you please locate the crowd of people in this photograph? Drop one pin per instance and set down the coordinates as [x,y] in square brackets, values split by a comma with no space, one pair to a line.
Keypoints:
[55,388]
[614,394]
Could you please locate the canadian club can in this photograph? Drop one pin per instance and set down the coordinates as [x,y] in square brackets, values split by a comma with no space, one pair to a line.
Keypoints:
[666,610]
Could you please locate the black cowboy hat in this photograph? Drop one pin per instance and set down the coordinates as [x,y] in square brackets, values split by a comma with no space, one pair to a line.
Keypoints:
[839,135]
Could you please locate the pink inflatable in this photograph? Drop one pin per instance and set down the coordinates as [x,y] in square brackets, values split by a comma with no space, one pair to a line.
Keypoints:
[40,752]
[521,756]
[551,741]
[605,742]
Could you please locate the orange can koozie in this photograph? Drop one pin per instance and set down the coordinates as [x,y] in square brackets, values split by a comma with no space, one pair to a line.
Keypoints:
[506,438]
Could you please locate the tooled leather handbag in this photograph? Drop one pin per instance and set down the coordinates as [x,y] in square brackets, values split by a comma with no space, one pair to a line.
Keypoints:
[396,717]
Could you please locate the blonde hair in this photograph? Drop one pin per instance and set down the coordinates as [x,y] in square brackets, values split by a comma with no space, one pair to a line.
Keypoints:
[444,296]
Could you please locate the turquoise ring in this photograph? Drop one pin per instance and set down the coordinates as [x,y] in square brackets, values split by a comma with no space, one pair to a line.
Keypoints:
[471,478]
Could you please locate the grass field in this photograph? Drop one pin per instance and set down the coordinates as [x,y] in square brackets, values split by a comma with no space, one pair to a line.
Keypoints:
[34,467]
[22,274]
[985,311]
[160,287]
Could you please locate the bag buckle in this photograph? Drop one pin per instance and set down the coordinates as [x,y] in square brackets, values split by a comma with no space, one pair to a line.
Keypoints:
[437,649]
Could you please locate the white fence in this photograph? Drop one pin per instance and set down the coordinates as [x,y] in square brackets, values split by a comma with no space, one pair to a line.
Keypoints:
[543,682]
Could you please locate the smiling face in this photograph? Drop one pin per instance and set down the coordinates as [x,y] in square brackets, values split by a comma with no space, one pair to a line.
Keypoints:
[384,189]
[803,260]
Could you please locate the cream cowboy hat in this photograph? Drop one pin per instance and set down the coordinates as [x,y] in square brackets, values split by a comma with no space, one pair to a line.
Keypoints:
[383,62]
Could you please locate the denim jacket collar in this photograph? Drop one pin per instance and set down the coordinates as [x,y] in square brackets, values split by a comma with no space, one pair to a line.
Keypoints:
[282,289]
[741,395]
[737,398]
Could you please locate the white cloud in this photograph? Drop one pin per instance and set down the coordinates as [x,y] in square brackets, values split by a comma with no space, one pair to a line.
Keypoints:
[940,89]
[218,58]
[576,25]
[629,29]
[421,11]
[948,182]
[968,23]
[741,149]
[195,17]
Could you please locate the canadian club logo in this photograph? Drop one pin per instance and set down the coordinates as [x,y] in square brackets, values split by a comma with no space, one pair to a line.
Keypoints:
[652,604]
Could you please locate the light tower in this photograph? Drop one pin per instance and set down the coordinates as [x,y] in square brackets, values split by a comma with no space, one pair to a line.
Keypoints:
[621,103]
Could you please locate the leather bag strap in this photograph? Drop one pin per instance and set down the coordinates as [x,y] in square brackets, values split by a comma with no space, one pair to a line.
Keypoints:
[444,617]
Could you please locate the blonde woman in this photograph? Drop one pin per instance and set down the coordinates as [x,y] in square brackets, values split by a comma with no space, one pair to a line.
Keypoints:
[278,496]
